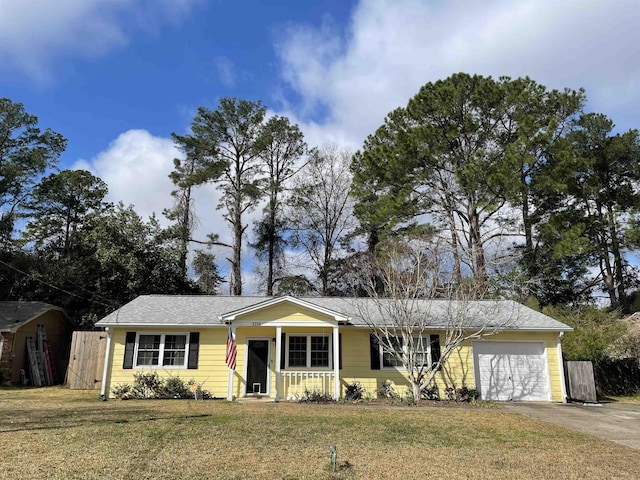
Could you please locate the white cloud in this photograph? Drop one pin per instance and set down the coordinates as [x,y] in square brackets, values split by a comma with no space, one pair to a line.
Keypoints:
[35,34]
[136,166]
[354,77]
[226,72]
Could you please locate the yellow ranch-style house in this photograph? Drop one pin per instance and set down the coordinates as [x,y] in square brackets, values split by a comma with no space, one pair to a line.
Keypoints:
[286,346]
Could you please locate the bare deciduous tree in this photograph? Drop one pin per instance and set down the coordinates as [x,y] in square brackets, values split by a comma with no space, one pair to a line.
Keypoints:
[320,212]
[420,315]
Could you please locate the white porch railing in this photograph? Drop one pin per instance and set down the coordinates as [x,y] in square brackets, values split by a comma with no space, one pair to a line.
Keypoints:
[294,384]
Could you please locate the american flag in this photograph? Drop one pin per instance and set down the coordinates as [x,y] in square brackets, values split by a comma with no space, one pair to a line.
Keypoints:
[231,351]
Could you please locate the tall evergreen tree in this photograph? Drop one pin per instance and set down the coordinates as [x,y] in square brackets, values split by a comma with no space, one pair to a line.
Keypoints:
[462,154]
[223,147]
[604,197]
[25,154]
[58,210]
[282,147]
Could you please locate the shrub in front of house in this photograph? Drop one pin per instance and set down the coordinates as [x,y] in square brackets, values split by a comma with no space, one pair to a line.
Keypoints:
[151,386]
[354,392]
[462,394]
[388,392]
[315,396]
[430,393]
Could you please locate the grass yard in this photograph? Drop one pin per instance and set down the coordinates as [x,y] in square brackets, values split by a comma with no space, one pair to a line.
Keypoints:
[57,433]
[630,399]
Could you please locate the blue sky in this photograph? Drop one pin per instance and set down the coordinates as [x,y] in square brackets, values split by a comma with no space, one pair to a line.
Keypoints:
[116,77]
[149,75]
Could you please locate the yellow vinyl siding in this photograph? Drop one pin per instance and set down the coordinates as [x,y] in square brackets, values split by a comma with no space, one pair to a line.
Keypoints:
[457,372]
[284,312]
[212,372]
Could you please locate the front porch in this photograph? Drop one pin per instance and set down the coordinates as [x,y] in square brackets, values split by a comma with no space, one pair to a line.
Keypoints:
[285,362]
[284,352]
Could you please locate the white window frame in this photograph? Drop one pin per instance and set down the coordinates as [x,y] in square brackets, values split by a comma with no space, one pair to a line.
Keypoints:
[426,338]
[163,336]
[308,352]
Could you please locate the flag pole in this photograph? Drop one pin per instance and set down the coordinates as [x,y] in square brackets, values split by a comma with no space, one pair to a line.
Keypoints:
[231,360]
[230,383]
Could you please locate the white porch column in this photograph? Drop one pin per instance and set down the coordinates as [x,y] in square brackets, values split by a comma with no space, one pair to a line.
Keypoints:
[336,364]
[278,362]
[561,365]
[231,370]
[105,372]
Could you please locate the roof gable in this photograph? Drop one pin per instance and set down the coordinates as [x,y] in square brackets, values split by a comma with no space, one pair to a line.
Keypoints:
[286,309]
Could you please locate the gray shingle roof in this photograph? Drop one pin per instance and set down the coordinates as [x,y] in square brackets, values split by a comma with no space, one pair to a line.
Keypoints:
[165,310]
[14,314]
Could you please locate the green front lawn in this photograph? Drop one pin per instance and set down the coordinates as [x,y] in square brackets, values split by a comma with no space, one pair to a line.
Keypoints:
[57,433]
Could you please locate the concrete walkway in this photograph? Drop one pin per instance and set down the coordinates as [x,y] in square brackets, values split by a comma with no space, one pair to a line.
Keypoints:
[612,421]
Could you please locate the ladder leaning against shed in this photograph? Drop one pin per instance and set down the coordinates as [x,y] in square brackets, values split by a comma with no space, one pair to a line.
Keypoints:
[50,364]
[34,364]
[41,362]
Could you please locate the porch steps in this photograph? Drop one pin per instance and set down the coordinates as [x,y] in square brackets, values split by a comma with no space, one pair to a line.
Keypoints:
[255,399]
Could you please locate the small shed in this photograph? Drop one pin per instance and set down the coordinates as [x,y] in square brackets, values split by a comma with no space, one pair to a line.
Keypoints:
[20,320]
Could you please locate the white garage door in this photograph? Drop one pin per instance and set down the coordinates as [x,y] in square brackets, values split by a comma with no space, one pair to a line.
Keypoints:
[511,370]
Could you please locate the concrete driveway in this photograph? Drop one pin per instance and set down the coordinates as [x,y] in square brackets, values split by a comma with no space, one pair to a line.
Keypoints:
[612,421]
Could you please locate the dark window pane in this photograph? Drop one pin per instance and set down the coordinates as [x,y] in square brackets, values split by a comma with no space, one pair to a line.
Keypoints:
[148,357]
[149,342]
[393,358]
[319,351]
[148,350]
[175,342]
[173,357]
[297,351]
[174,350]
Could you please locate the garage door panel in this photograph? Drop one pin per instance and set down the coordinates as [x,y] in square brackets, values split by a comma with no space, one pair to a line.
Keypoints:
[511,370]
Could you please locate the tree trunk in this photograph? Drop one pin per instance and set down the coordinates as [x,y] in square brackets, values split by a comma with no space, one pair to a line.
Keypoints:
[605,262]
[530,264]
[184,231]
[236,216]
[236,263]
[271,232]
[417,391]
[618,263]
[477,247]
[457,269]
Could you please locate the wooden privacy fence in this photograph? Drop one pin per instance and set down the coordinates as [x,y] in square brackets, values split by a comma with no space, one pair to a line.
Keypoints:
[581,383]
[86,360]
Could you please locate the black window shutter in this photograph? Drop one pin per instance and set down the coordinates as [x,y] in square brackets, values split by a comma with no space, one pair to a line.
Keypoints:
[375,352]
[129,347]
[340,351]
[194,349]
[283,346]
[435,348]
